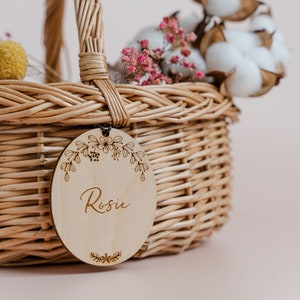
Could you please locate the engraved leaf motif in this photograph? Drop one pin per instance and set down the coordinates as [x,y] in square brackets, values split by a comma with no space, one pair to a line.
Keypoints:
[125,152]
[67,177]
[96,145]
[138,168]
[69,153]
[118,139]
[132,159]
[145,167]
[130,145]
[83,148]
[142,177]
[116,153]
[72,168]
[140,154]
[64,166]
[77,158]
[93,141]
[106,258]
[67,167]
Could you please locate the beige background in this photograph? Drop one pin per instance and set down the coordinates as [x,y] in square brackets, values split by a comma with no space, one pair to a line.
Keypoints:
[257,254]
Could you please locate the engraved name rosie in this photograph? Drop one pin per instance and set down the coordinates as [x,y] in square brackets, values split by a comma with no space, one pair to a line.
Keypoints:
[92,199]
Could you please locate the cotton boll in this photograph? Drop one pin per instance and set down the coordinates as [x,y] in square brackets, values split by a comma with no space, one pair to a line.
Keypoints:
[154,36]
[263,22]
[280,51]
[222,57]
[246,79]
[195,57]
[263,58]
[278,37]
[281,55]
[243,40]
[222,8]
[190,22]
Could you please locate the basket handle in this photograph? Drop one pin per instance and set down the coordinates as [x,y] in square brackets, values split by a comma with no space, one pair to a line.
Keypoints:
[53,39]
[92,60]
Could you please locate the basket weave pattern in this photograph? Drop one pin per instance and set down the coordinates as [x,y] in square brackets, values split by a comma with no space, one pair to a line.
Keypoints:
[181,127]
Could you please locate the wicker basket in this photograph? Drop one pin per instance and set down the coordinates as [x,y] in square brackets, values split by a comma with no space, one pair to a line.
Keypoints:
[183,128]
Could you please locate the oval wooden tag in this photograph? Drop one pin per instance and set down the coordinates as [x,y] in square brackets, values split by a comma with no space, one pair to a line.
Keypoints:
[103,197]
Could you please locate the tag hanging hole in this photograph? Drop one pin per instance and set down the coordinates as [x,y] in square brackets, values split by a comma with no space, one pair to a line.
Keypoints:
[105,130]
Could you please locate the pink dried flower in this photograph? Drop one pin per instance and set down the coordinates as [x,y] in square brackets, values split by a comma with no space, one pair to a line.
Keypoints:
[174,59]
[162,25]
[191,37]
[140,58]
[143,65]
[173,25]
[158,52]
[140,67]
[171,38]
[128,55]
[131,69]
[137,78]
[144,44]
[181,31]
[186,64]
[199,74]
[185,52]
[183,43]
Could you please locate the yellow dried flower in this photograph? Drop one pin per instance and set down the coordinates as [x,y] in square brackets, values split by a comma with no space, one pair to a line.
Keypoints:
[13,60]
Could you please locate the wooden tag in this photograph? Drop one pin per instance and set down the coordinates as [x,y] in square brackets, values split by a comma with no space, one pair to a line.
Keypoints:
[103,197]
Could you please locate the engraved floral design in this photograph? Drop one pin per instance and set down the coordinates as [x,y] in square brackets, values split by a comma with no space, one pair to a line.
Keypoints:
[106,258]
[97,146]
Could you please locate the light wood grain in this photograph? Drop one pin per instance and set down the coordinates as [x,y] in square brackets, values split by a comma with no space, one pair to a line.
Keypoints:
[103,209]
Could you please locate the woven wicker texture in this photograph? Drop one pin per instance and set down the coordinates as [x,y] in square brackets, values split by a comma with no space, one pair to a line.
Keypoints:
[182,128]
[53,38]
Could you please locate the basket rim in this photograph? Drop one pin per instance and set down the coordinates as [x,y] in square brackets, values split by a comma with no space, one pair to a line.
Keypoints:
[67,103]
